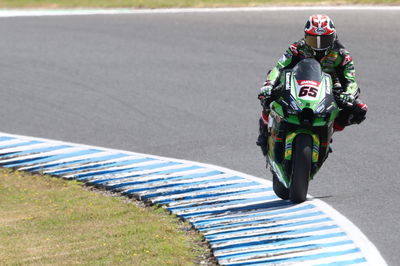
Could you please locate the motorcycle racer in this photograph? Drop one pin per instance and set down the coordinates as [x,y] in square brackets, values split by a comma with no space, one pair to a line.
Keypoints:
[321,43]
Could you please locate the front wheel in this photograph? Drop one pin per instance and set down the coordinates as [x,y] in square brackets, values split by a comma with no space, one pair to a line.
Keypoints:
[301,168]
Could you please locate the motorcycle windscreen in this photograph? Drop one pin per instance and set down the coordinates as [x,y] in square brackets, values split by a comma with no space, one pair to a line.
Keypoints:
[308,69]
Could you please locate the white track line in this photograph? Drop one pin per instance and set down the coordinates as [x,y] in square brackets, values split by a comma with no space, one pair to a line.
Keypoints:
[79,12]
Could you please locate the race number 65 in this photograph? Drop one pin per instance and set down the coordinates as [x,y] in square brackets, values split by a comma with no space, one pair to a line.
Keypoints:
[308,91]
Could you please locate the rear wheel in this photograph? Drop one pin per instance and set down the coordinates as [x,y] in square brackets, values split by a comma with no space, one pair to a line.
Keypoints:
[301,168]
[279,189]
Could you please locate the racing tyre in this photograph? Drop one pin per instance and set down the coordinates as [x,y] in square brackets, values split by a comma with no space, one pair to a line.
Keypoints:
[301,168]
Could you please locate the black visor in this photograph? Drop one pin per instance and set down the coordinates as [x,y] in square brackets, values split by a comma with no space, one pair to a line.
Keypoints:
[319,42]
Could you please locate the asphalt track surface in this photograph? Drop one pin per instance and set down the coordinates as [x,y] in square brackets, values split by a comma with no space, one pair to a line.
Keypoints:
[185,86]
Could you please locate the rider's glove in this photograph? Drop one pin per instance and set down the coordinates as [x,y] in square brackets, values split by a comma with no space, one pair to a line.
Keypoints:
[265,92]
[346,99]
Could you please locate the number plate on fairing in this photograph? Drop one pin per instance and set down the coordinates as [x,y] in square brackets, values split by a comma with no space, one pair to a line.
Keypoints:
[308,90]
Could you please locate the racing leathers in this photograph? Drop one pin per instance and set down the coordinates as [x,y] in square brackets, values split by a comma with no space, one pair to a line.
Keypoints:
[337,62]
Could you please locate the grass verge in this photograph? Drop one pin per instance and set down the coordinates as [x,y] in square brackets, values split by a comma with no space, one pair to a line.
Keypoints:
[173,3]
[46,220]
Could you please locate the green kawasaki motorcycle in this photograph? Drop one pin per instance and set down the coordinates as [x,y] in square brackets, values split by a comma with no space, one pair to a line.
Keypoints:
[301,126]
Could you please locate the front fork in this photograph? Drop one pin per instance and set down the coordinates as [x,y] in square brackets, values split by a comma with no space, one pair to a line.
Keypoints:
[289,144]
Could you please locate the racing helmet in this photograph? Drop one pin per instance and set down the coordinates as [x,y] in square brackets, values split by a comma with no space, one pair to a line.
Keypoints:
[320,33]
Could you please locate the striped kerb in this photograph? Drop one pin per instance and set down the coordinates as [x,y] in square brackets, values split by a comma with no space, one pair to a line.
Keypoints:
[239,215]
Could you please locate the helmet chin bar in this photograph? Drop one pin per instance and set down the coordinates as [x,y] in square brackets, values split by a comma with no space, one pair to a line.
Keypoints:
[321,51]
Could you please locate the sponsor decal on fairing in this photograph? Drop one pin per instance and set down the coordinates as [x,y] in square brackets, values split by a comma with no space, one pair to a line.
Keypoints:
[288,79]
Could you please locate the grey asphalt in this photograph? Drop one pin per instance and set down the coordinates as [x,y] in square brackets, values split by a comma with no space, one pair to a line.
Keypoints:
[185,86]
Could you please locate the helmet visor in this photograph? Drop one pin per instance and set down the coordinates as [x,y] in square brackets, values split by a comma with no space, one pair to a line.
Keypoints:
[318,42]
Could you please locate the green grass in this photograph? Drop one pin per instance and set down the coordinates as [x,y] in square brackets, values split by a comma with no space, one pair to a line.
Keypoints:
[46,220]
[170,3]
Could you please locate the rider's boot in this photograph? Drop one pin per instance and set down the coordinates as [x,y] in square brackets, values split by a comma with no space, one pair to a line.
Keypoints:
[262,139]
